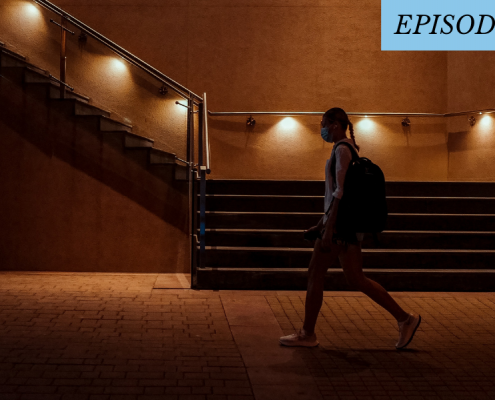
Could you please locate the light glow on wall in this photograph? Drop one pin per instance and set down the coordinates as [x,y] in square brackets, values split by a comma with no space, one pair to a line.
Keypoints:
[288,123]
[118,65]
[486,122]
[31,10]
[366,125]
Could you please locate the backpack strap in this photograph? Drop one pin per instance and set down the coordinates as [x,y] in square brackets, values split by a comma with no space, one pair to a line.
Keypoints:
[354,154]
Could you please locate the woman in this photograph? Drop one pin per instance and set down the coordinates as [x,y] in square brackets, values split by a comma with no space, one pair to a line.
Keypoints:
[345,247]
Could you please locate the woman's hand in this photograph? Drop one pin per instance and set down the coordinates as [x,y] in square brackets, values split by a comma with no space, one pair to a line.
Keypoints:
[326,241]
[312,229]
[312,234]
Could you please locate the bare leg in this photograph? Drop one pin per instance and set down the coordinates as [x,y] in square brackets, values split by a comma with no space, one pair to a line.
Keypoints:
[318,266]
[352,263]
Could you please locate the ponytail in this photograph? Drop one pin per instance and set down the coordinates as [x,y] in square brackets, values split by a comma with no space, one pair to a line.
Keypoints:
[351,130]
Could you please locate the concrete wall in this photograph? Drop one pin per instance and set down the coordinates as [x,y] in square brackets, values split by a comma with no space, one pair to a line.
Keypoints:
[112,83]
[279,55]
[470,87]
[248,55]
[74,200]
[287,56]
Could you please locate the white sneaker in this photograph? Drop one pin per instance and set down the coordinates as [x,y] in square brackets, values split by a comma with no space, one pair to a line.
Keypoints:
[407,329]
[299,339]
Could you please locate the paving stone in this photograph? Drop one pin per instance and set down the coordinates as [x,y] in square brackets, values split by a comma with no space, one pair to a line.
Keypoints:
[113,336]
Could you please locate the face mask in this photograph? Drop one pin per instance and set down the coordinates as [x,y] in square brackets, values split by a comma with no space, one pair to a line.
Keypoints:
[327,136]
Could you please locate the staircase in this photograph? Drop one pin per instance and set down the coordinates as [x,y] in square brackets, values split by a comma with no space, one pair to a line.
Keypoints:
[16,70]
[440,236]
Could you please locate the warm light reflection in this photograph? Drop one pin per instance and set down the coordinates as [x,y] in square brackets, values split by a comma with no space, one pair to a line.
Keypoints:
[288,123]
[118,65]
[31,10]
[366,124]
[486,122]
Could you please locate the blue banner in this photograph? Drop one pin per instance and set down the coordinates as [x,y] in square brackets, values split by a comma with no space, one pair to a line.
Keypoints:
[438,25]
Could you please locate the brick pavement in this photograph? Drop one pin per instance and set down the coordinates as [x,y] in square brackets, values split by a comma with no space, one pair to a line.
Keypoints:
[114,336]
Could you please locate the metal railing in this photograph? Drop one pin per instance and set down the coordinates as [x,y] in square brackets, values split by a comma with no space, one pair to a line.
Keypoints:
[128,56]
[357,114]
[193,100]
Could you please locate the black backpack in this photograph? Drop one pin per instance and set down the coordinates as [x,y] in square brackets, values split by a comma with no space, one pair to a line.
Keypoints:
[363,207]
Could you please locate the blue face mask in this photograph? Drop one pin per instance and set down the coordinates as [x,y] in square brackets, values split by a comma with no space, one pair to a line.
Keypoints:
[327,136]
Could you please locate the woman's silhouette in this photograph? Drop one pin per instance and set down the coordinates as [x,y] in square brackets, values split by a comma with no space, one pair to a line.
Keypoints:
[346,247]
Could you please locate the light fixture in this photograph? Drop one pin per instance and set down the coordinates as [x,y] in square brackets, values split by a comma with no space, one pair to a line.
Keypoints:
[472,120]
[82,38]
[406,122]
[182,103]
[163,90]
[250,121]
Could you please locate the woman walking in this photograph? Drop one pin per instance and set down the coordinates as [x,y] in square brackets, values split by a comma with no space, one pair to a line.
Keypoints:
[344,246]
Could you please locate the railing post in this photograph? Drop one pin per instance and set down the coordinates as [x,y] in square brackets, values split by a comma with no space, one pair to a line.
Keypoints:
[200,134]
[192,183]
[202,186]
[202,218]
[63,58]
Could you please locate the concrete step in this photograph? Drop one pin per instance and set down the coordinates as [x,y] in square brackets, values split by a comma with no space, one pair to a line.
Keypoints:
[161,157]
[391,279]
[407,222]
[54,93]
[110,125]
[317,188]
[9,58]
[259,257]
[132,141]
[8,53]
[36,78]
[386,240]
[77,107]
[286,203]
[181,172]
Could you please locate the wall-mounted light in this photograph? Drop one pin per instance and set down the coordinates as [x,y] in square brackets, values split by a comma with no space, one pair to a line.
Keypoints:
[250,121]
[163,90]
[182,103]
[406,122]
[82,38]
[472,120]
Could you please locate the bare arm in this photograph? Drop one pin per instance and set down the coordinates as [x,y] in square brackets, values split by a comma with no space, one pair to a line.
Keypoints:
[344,158]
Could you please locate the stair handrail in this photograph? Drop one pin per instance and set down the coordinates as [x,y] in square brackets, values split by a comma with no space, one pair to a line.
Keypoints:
[175,86]
[357,114]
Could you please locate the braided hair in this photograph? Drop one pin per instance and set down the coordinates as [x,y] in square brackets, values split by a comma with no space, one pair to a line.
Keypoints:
[337,114]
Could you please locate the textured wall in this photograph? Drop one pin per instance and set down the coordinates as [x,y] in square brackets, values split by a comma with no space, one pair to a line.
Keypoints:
[279,55]
[74,200]
[282,55]
[470,87]
[113,84]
